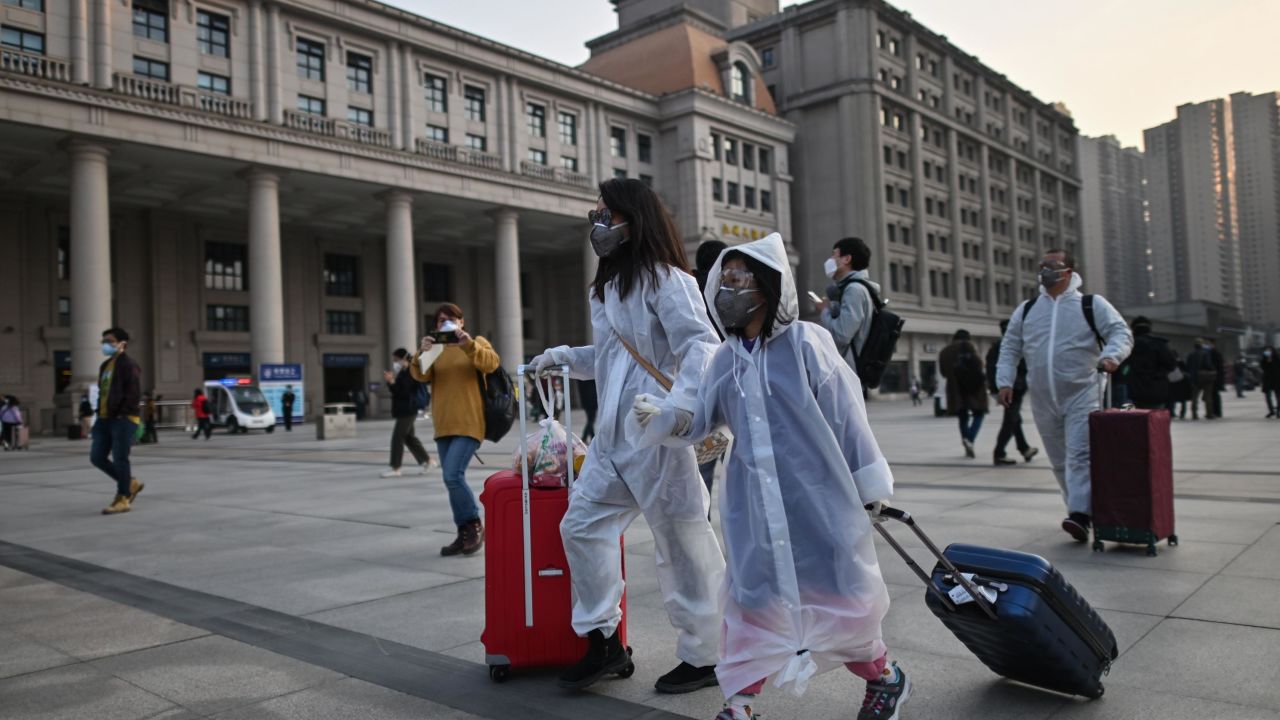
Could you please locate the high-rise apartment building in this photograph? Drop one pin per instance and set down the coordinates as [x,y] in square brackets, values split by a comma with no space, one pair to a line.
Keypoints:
[1192,200]
[1256,128]
[1114,227]
[957,178]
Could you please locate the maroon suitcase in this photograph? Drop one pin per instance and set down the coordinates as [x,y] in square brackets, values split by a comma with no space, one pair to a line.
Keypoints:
[1131,470]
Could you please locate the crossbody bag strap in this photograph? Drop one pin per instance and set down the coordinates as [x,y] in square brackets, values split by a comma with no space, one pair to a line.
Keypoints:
[663,380]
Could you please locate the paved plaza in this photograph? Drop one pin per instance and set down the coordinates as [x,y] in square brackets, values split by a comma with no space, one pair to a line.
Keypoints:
[277,576]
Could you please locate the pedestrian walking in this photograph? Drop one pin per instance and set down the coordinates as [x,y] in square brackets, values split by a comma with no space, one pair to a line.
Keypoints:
[204,416]
[1148,367]
[1239,376]
[286,403]
[1219,365]
[408,398]
[87,415]
[1065,337]
[1270,367]
[1204,379]
[1011,423]
[707,255]
[644,305]
[150,416]
[10,421]
[458,414]
[847,311]
[821,466]
[961,367]
[119,392]
[915,393]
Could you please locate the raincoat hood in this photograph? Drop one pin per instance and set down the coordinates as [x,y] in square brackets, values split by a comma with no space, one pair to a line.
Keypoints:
[770,251]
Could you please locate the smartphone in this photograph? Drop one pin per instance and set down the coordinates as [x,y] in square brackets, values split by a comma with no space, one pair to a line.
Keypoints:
[814,297]
[444,337]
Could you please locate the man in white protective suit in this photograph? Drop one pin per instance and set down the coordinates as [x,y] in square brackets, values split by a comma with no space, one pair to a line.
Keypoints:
[1066,338]
[643,297]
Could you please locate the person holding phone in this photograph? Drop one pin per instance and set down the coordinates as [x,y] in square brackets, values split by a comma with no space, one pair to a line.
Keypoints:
[458,413]
[405,398]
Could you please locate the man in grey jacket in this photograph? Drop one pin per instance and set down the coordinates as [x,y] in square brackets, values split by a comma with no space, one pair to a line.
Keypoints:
[1064,349]
[847,311]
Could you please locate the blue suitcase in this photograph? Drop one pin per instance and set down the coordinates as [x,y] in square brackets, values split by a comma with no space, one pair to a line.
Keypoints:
[1038,631]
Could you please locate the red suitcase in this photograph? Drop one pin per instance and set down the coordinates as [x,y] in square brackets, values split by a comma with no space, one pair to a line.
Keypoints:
[1131,471]
[527,592]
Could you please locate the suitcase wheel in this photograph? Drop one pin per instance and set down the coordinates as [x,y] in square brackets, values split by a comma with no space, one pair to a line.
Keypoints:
[1173,540]
[1151,550]
[630,669]
[1097,693]
[499,673]
[1098,546]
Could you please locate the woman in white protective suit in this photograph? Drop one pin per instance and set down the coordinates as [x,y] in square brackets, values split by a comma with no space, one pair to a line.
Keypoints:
[803,592]
[642,296]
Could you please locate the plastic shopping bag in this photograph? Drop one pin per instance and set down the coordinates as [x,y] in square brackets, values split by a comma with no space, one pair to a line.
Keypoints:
[547,450]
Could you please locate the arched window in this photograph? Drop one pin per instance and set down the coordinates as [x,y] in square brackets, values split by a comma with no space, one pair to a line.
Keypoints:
[738,82]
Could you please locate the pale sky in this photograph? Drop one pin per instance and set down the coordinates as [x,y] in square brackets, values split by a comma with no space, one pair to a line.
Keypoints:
[1120,65]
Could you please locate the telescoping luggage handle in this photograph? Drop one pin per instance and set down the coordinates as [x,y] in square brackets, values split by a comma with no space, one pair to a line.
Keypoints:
[521,372]
[970,587]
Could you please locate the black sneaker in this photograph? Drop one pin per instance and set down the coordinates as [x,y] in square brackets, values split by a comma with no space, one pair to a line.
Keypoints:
[885,697]
[1077,526]
[686,678]
[968,448]
[1030,453]
[1002,460]
[605,655]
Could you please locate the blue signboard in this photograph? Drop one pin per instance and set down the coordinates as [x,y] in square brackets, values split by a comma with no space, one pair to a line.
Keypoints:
[276,379]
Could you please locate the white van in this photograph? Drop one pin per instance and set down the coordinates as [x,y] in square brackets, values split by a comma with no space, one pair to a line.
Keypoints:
[239,405]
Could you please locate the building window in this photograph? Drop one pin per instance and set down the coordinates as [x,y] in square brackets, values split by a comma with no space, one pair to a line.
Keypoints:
[893,277]
[437,284]
[748,156]
[360,116]
[647,180]
[310,59]
[219,84]
[536,117]
[537,156]
[765,160]
[37,5]
[717,190]
[617,142]
[766,201]
[340,275]
[142,67]
[310,105]
[880,39]
[64,252]
[731,151]
[151,19]
[225,267]
[64,311]
[436,92]
[908,279]
[749,197]
[568,128]
[619,174]
[473,103]
[894,46]
[359,73]
[22,40]
[227,318]
[733,193]
[477,142]
[569,163]
[892,231]
[767,58]
[715,145]
[738,75]
[438,134]
[644,148]
[212,31]
[343,322]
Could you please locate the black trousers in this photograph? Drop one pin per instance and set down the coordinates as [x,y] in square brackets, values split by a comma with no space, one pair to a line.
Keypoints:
[1011,426]
[203,425]
[288,418]
[403,436]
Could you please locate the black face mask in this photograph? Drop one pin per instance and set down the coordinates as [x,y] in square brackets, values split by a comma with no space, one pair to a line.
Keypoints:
[606,239]
[736,306]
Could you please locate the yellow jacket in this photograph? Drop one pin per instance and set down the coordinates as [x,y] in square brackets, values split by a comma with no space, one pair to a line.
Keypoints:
[456,407]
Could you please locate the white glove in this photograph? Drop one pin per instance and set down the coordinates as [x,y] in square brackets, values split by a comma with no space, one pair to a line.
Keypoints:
[645,409]
[873,509]
[684,423]
[543,363]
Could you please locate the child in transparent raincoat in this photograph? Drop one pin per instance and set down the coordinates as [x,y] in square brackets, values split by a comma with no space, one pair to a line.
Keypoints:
[803,592]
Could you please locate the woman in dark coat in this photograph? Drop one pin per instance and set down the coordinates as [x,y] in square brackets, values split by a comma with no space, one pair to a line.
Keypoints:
[961,366]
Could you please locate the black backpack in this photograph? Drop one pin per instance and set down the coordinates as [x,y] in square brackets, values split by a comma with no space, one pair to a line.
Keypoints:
[498,396]
[420,398]
[967,371]
[882,340]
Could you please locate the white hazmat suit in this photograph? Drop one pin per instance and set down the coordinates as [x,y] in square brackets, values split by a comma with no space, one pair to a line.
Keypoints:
[1062,377]
[668,325]
[803,592]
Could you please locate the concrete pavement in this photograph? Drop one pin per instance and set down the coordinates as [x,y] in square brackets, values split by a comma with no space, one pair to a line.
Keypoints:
[337,570]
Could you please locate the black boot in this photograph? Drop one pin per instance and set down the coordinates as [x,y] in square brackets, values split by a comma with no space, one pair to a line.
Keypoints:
[455,547]
[687,678]
[472,535]
[605,655]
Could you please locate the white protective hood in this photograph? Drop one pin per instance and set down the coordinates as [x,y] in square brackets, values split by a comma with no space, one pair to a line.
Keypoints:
[771,251]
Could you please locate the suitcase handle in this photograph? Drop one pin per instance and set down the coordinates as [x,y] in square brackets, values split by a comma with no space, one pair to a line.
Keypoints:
[904,517]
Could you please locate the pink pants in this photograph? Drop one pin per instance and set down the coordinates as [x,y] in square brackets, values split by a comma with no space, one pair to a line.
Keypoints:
[868,671]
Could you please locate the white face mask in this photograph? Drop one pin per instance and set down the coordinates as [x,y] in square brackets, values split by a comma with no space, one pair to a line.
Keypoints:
[397,366]
[829,267]
[450,326]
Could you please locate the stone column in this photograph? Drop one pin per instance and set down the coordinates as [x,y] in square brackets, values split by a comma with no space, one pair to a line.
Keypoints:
[408,97]
[90,259]
[266,280]
[102,45]
[275,105]
[402,303]
[79,42]
[257,68]
[394,93]
[506,257]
